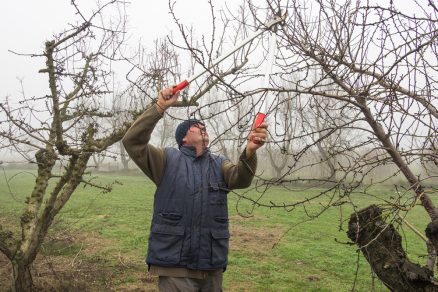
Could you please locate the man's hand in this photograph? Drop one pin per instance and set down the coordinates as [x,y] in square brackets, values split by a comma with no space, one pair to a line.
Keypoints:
[166,98]
[256,139]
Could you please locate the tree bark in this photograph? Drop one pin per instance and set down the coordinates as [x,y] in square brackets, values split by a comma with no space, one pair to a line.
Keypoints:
[22,278]
[381,245]
[432,235]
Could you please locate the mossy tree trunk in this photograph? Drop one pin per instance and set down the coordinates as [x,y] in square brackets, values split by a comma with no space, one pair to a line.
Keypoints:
[381,245]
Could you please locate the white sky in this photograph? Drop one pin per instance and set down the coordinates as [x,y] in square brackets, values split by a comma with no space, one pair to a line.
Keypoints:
[27,24]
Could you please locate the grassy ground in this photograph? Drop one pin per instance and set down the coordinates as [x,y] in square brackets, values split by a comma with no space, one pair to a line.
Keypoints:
[98,242]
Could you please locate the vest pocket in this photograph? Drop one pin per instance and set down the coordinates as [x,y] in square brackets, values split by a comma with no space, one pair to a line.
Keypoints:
[170,218]
[217,194]
[219,246]
[165,242]
[222,220]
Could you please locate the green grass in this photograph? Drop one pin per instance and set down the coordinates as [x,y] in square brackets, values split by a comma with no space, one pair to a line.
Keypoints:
[274,250]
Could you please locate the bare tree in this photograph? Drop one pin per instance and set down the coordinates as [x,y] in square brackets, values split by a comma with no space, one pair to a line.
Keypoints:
[124,157]
[65,127]
[321,119]
[98,160]
[381,61]
[286,127]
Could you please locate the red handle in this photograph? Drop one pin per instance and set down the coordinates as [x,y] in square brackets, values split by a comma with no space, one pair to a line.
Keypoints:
[259,120]
[180,86]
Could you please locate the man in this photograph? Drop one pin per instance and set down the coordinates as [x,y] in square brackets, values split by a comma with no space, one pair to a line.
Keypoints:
[188,242]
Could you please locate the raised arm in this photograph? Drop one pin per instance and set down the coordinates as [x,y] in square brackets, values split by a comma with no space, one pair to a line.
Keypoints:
[240,175]
[150,159]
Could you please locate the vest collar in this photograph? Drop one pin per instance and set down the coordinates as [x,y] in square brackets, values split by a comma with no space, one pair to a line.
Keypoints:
[191,151]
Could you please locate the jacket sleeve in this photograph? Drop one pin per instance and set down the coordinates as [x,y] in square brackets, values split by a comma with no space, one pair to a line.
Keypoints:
[240,175]
[151,160]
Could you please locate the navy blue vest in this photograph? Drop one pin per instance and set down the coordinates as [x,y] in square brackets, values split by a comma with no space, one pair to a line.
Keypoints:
[190,221]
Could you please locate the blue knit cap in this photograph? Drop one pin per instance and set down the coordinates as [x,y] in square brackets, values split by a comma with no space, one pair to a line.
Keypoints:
[182,129]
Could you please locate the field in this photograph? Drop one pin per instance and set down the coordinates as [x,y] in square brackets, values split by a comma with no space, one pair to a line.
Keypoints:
[99,240]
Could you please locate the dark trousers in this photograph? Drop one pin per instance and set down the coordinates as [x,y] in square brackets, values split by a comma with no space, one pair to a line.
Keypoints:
[212,283]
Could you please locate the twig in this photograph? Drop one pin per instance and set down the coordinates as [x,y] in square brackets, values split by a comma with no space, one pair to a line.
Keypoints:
[413,228]
[73,261]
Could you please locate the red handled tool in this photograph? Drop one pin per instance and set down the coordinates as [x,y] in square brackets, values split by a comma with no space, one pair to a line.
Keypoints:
[277,19]
[260,117]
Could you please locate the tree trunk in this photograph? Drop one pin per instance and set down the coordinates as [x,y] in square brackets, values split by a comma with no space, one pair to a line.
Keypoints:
[381,245]
[22,278]
[124,158]
[432,235]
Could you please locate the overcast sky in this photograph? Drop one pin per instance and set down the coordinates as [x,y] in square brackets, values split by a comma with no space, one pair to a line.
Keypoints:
[27,24]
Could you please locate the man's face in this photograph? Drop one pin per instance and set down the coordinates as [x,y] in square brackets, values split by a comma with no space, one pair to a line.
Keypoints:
[196,135]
